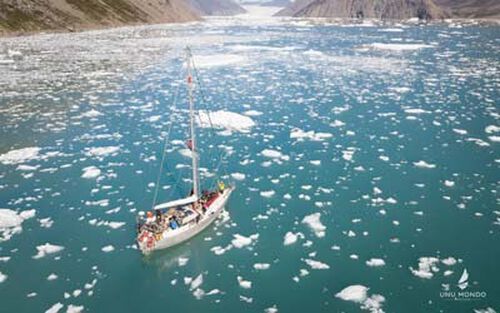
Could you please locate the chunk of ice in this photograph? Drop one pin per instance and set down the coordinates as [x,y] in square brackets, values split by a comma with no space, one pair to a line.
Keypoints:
[90,172]
[317,265]
[46,249]
[224,119]
[261,266]
[19,155]
[423,164]
[354,293]
[240,241]
[107,248]
[55,308]
[246,284]
[314,223]
[374,262]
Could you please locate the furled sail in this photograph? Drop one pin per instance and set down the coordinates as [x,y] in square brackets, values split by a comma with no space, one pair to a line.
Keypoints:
[176,203]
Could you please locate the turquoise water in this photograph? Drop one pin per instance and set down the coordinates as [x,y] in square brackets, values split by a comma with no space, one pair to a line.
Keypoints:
[389,97]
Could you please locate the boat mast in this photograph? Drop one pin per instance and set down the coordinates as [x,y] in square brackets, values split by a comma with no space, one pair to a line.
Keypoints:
[194,150]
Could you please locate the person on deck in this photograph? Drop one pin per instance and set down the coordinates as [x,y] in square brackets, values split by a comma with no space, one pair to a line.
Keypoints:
[150,217]
[221,186]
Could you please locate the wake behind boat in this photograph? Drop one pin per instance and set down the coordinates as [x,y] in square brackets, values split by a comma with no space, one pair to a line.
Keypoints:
[174,222]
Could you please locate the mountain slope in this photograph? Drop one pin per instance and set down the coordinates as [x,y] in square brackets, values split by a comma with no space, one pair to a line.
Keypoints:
[472,8]
[380,9]
[276,3]
[37,15]
[294,7]
[216,7]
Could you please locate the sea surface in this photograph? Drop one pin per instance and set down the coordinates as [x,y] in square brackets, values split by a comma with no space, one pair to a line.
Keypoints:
[365,159]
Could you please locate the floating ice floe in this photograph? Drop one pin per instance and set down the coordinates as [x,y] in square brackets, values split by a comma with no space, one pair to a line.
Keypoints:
[348,154]
[46,249]
[102,151]
[197,282]
[487,310]
[113,225]
[240,241]
[337,123]
[245,284]
[374,262]
[423,164]
[291,238]
[153,119]
[449,183]
[261,266]
[238,176]
[182,261]
[27,214]
[449,261]
[90,172]
[391,30]
[460,131]
[3,277]
[187,153]
[274,154]
[91,113]
[478,142]
[273,309]
[398,47]
[218,250]
[225,119]
[398,90]
[314,223]
[300,135]
[246,299]
[107,248]
[19,156]
[427,266]
[315,162]
[26,168]
[52,276]
[492,129]
[217,60]
[11,222]
[268,193]
[354,293]
[494,138]
[75,308]
[416,111]
[359,294]
[317,265]
[55,308]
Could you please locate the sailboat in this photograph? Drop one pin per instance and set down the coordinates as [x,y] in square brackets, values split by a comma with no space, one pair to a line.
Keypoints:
[176,221]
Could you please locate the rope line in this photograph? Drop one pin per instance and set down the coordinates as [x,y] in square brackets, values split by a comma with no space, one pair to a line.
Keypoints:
[167,137]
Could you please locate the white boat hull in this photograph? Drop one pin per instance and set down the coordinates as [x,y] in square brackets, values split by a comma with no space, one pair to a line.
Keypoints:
[174,237]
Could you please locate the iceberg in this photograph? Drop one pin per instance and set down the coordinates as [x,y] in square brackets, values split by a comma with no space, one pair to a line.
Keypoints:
[227,120]
[11,221]
[19,156]
[354,293]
